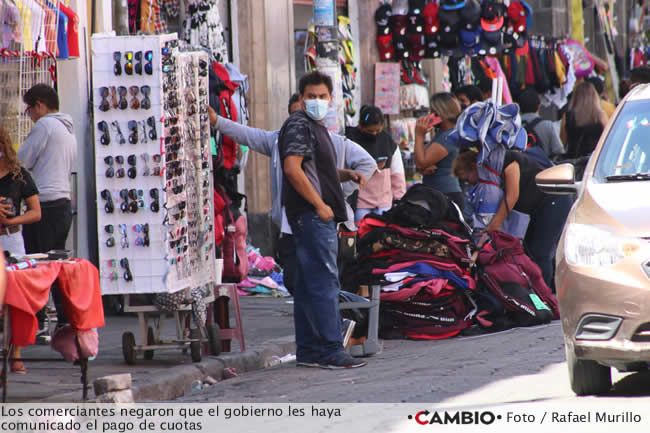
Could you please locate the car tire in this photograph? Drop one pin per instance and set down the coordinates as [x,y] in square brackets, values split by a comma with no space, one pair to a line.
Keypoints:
[587,377]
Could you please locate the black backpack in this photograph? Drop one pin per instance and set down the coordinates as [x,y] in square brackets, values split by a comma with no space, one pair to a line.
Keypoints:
[534,147]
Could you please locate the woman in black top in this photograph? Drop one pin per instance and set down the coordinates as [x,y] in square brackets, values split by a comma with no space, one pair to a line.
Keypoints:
[584,122]
[547,213]
[16,186]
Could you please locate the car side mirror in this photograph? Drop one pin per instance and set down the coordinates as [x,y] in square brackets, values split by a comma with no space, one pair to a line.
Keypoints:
[559,180]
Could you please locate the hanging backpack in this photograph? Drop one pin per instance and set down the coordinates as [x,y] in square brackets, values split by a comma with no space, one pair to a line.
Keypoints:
[516,281]
[233,242]
[221,100]
[534,147]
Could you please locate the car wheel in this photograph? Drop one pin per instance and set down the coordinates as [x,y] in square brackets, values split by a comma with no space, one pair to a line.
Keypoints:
[587,377]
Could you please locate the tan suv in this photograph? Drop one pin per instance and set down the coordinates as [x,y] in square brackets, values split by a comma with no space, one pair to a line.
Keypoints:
[603,259]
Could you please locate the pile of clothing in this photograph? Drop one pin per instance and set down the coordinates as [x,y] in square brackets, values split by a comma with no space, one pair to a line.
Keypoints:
[264,278]
[418,252]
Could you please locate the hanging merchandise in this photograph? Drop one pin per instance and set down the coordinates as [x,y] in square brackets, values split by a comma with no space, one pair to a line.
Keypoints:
[410,31]
[153,165]
[204,28]
[221,91]
[42,26]
[492,129]
[348,70]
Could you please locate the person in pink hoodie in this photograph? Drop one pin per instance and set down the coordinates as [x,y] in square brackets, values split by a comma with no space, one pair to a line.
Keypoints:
[388,183]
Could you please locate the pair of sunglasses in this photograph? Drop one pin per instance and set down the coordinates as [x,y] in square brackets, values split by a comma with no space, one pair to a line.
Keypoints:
[105,138]
[109,207]
[124,263]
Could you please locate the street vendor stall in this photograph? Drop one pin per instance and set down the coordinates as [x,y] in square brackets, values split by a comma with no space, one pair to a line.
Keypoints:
[155,205]
[28,291]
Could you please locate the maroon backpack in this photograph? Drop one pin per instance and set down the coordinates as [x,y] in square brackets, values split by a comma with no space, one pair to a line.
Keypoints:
[515,280]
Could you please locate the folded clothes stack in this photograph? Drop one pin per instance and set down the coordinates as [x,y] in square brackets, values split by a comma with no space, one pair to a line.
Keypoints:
[418,252]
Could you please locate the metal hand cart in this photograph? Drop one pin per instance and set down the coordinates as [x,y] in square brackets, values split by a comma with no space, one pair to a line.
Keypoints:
[150,324]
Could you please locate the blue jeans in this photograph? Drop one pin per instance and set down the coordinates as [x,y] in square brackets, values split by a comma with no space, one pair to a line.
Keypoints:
[316,290]
[544,232]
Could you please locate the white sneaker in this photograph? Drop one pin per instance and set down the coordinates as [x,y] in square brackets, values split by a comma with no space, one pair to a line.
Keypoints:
[347,328]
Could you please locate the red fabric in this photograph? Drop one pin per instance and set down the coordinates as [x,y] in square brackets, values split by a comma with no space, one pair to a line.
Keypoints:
[82,295]
[28,291]
[503,259]
[73,30]
[431,288]
[219,224]
[228,110]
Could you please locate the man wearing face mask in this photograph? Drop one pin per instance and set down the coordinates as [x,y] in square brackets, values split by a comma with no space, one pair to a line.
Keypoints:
[352,160]
[314,204]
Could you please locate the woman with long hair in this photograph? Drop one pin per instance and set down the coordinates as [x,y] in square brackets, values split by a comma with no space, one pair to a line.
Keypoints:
[16,187]
[584,121]
[389,182]
[435,159]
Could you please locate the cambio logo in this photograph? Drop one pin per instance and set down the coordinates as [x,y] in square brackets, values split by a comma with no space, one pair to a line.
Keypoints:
[424,417]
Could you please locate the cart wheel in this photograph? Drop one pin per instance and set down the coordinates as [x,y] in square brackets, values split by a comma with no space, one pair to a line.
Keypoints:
[128,347]
[195,346]
[148,354]
[214,339]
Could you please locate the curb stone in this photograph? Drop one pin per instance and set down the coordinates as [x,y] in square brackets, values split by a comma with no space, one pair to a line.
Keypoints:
[172,383]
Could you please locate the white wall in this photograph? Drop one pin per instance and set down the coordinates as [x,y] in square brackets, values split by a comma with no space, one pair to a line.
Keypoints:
[73,86]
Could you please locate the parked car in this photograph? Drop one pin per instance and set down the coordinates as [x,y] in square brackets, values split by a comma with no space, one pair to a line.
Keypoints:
[603,258]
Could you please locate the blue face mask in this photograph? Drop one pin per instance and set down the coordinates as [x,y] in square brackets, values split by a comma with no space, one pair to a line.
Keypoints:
[317,108]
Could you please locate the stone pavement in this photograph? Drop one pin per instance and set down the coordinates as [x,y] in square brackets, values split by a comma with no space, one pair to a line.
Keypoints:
[406,371]
[267,323]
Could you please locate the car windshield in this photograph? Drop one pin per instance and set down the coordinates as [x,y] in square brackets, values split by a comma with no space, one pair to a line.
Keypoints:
[626,153]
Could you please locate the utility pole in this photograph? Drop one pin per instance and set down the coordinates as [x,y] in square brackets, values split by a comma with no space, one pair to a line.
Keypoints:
[327,58]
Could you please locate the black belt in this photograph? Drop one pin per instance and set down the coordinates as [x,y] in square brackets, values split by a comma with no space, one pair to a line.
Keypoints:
[55,203]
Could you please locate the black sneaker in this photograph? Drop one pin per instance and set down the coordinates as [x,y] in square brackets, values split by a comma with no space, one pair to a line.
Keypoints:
[341,360]
[347,328]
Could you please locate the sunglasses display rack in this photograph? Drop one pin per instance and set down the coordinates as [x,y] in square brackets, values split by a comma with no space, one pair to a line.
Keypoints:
[153,165]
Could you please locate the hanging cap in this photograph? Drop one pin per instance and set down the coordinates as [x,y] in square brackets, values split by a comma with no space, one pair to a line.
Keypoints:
[401,47]
[470,15]
[415,24]
[399,24]
[470,38]
[431,21]
[417,47]
[452,5]
[416,6]
[432,46]
[449,20]
[385,47]
[517,16]
[382,18]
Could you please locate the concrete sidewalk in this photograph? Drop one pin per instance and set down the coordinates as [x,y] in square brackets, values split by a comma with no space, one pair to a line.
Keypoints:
[268,326]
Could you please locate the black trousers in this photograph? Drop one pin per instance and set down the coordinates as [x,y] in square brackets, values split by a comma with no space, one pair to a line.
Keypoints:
[50,233]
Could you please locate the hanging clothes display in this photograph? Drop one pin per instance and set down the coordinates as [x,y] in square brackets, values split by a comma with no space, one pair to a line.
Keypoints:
[42,26]
[203,28]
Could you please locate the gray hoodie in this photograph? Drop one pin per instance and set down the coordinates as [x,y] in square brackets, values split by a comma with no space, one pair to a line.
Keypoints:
[48,153]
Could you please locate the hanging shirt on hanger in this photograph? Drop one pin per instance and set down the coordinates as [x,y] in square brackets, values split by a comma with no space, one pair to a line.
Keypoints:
[11,31]
[62,36]
[38,26]
[73,30]
[150,22]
